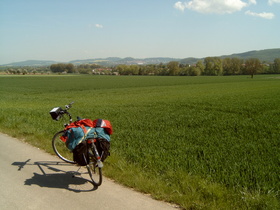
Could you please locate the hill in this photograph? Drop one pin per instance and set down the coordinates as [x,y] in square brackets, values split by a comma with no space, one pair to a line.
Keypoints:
[264,55]
[267,55]
[31,63]
[128,61]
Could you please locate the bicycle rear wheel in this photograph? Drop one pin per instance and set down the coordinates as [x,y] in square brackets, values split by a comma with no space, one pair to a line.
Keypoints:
[94,172]
[60,148]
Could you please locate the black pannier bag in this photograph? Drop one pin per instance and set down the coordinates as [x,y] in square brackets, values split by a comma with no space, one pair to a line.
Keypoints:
[80,154]
[103,148]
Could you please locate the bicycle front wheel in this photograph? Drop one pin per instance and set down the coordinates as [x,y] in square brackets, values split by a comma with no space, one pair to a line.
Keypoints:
[60,148]
[95,172]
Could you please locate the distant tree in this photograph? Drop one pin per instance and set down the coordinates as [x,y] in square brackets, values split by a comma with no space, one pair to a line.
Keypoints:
[265,68]
[200,66]
[194,71]
[134,69]
[150,69]
[183,70]
[58,68]
[122,69]
[95,66]
[173,67]
[252,66]
[232,66]
[237,64]
[276,66]
[163,70]
[141,70]
[70,68]
[158,68]
[10,71]
[24,72]
[227,66]
[84,71]
[213,66]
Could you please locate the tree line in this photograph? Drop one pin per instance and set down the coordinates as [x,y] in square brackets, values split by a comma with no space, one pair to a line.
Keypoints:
[211,66]
[70,68]
[26,70]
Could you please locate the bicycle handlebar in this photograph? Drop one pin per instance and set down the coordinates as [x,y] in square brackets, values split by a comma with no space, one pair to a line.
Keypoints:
[66,111]
[58,112]
[69,105]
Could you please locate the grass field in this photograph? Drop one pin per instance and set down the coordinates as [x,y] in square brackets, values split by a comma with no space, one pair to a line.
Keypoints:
[200,142]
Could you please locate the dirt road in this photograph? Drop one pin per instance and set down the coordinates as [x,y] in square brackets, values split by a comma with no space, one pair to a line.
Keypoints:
[33,179]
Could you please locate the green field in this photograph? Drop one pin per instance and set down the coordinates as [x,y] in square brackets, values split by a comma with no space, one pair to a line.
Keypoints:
[200,142]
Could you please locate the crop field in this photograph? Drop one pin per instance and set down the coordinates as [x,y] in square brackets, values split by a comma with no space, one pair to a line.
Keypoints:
[199,142]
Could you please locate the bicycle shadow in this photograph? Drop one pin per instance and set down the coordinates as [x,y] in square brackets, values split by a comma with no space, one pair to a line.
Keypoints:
[55,175]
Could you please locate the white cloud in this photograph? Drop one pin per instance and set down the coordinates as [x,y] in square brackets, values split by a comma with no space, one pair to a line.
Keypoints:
[223,7]
[270,2]
[265,15]
[98,26]
[252,2]
[213,6]
[180,6]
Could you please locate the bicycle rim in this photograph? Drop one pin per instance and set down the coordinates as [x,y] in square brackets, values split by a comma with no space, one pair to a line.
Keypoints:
[60,148]
[95,173]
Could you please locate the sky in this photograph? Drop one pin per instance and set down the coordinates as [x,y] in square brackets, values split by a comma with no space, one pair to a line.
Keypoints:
[65,30]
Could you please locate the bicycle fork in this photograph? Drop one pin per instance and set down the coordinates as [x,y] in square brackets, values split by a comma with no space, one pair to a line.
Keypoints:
[94,150]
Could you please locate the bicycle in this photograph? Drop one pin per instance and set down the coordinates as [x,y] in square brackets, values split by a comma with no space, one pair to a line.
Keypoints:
[94,166]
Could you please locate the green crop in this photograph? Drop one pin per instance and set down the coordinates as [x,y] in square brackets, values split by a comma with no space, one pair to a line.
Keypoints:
[217,137]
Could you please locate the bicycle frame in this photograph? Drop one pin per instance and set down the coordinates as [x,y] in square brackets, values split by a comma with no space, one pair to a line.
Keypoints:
[91,142]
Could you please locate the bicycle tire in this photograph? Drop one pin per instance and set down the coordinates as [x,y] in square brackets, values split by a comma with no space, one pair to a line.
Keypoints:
[60,148]
[94,172]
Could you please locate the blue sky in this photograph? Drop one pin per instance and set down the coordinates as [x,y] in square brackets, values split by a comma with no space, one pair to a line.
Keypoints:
[65,30]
